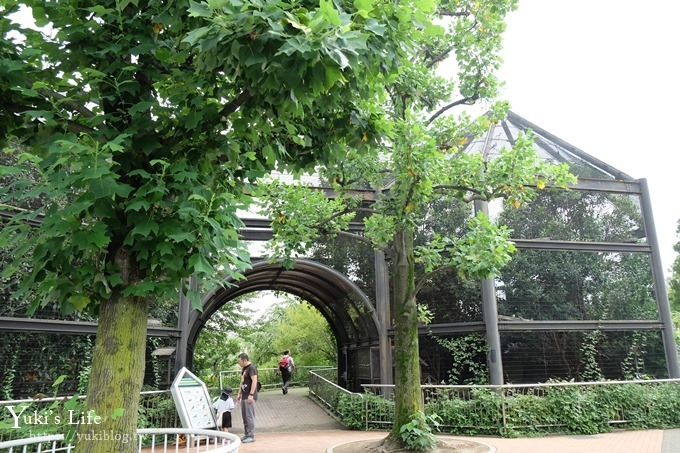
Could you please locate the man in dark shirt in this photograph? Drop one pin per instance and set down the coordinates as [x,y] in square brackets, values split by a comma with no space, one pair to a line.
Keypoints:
[247,395]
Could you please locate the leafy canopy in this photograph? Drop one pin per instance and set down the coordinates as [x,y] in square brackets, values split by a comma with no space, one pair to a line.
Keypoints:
[146,122]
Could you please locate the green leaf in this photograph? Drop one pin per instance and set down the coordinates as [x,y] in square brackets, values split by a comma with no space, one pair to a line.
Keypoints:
[141,107]
[139,205]
[364,7]
[192,120]
[98,235]
[195,299]
[194,36]
[217,4]
[145,228]
[59,380]
[42,115]
[426,6]
[292,46]
[6,171]
[339,58]
[293,22]
[141,289]
[200,265]
[329,13]
[182,236]
[100,10]
[79,302]
[199,9]
[434,30]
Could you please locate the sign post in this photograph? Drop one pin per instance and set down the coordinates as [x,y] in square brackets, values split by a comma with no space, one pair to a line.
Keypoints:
[192,401]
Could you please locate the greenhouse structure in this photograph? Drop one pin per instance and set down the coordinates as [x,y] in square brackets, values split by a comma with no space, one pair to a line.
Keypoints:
[583,299]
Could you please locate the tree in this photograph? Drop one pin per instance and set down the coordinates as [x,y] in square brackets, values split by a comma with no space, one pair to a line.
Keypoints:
[423,160]
[674,284]
[147,121]
[293,324]
[674,288]
[218,345]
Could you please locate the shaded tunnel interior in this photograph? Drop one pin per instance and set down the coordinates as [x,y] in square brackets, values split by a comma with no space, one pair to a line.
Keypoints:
[348,311]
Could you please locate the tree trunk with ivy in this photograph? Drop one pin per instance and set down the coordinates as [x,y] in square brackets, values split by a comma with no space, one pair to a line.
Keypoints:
[119,351]
[116,376]
[406,353]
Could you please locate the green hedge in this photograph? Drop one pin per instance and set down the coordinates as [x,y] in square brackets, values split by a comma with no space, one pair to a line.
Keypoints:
[560,409]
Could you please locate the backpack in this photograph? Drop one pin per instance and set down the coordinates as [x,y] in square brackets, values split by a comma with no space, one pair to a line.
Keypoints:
[283,363]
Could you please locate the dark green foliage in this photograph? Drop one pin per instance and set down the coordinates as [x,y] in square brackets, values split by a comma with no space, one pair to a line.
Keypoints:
[580,409]
[157,411]
[468,365]
[674,283]
[31,362]
[564,409]
[417,434]
[41,419]
[351,411]
[350,258]
[478,412]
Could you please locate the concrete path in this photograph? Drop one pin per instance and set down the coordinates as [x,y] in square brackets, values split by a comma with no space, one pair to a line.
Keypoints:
[293,423]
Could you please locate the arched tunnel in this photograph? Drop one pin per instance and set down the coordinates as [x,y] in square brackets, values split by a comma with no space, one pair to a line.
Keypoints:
[350,314]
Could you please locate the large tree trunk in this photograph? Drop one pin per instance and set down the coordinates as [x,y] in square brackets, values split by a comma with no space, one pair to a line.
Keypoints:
[406,353]
[116,378]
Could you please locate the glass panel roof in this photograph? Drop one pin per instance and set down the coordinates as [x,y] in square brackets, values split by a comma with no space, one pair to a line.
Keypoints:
[549,147]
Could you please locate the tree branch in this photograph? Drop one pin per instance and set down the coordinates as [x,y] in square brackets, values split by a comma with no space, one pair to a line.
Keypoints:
[233,106]
[72,126]
[423,280]
[450,13]
[355,237]
[441,111]
[474,194]
[63,100]
[440,57]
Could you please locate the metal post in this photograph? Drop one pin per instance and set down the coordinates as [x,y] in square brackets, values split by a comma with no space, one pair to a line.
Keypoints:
[490,312]
[670,347]
[382,296]
[183,325]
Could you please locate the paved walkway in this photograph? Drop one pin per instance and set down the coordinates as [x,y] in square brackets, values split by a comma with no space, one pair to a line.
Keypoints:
[295,424]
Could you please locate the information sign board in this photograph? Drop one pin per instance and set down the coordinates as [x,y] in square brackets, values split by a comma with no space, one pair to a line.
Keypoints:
[192,401]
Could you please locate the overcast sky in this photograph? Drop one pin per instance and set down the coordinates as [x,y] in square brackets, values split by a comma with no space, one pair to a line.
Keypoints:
[604,76]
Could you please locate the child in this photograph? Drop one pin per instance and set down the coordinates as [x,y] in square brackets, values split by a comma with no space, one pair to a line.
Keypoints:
[223,407]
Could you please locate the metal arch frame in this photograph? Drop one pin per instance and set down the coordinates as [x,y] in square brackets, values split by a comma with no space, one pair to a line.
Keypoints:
[192,321]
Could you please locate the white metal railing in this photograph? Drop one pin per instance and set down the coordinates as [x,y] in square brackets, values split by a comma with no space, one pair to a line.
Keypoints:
[156,409]
[48,444]
[328,393]
[148,439]
[269,377]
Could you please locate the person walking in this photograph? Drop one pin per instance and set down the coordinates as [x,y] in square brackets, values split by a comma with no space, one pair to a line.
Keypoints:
[223,407]
[247,396]
[286,367]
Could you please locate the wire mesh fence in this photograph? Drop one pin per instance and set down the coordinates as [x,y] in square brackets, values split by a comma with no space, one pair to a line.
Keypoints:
[586,407]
